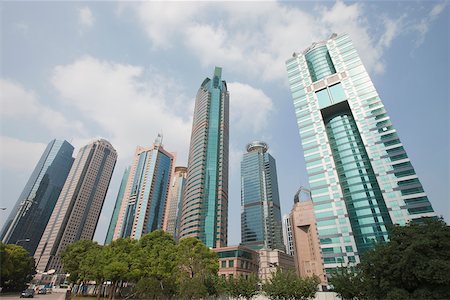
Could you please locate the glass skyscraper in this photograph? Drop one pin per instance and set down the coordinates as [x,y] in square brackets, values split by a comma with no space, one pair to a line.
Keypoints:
[115,215]
[144,200]
[174,202]
[80,202]
[28,218]
[360,176]
[205,203]
[261,225]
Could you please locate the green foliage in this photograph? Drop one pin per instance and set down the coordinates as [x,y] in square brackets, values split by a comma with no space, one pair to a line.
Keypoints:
[348,284]
[195,259]
[17,267]
[150,288]
[73,256]
[241,287]
[192,288]
[416,260]
[287,285]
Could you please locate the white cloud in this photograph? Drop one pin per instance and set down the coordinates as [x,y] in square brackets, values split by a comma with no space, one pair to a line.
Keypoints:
[19,155]
[424,24]
[249,108]
[85,17]
[131,108]
[256,39]
[23,106]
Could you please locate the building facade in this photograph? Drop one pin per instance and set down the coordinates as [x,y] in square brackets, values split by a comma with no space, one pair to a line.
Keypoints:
[174,202]
[287,235]
[144,201]
[205,203]
[80,202]
[260,201]
[117,205]
[307,255]
[28,218]
[360,176]
[235,261]
[272,260]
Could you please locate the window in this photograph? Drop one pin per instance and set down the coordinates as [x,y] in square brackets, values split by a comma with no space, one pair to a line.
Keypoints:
[224,263]
[324,98]
[332,94]
[230,263]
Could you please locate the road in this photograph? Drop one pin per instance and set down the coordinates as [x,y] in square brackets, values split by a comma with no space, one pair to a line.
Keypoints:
[52,296]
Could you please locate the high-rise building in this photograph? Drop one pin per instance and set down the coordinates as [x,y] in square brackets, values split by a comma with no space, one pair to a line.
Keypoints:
[360,176]
[144,200]
[33,209]
[287,235]
[260,200]
[117,205]
[78,208]
[205,203]
[174,202]
[307,256]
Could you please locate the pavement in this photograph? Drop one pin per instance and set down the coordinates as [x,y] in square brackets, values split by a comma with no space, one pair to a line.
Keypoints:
[52,296]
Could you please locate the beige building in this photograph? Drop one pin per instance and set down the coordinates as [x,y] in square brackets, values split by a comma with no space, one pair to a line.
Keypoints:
[78,208]
[237,261]
[307,256]
[174,201]
[272,259]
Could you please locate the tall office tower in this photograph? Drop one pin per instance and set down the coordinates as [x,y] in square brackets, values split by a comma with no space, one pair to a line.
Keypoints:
[205,203]
[307,256]
[260,201]
[144,201]
[117,205]
[287,235]
[174,201]
[27,220]
[359,173]
[78,208]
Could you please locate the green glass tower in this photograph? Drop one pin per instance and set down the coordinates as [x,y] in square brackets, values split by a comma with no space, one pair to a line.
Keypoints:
[205,203]
[360,176]
[260,200]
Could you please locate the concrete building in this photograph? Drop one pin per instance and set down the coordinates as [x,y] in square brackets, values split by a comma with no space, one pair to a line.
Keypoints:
[237,261]
[205,203]
[174,202]
[144,200]
[271,260]
[79,204]
[360,176]
[287,235]
[307,257]
[260,201]
[29,217]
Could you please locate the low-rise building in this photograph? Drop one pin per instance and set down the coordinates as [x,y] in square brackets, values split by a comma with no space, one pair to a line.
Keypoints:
[270,260]
[237,261]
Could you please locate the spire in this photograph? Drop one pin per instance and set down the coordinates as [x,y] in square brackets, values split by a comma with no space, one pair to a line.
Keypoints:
[159,139]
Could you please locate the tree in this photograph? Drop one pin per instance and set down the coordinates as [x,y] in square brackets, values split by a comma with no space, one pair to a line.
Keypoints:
[242,287]
[73,256]
[17,267]
[287,285]
[348,283]
[414,264]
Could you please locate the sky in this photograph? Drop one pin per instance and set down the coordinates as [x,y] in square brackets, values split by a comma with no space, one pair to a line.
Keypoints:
[127,71]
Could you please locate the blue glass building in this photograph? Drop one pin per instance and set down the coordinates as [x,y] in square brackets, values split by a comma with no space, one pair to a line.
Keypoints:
[29,217]
[143,204]
[360,176]
[261,225]
[205,203]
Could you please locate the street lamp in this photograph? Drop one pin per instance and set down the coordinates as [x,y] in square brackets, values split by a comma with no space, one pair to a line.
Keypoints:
[23,240]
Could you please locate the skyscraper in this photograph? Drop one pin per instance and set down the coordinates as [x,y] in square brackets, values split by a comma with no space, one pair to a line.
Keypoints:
[205,203]
[174,202]
[117,205]
[360,176]
[288,239]
[33,209]
[79,205]
[260,200]
[144,201]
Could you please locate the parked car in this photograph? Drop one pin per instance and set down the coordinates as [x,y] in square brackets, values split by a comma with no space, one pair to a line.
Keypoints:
[42,291]
[28,293]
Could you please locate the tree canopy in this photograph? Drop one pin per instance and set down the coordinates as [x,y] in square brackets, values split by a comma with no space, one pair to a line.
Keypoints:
[286,285]
[17,267]
[414,264]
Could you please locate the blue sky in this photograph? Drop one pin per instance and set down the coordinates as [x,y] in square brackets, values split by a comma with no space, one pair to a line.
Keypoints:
[126,71]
